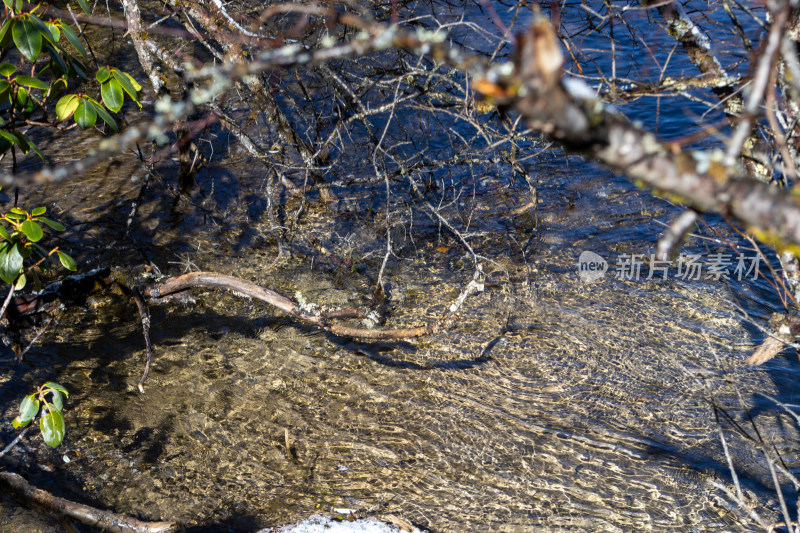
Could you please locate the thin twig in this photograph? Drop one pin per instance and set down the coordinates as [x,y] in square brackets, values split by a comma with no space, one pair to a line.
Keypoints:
[7,301]
[36,338]
[144,314]
[15,441]
[728,457]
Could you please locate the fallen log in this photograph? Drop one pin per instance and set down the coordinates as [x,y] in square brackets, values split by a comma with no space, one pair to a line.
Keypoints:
[23,492]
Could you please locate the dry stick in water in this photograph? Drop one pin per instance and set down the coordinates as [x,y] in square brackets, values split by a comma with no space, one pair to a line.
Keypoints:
[222,281]
[144,314]
[19,489]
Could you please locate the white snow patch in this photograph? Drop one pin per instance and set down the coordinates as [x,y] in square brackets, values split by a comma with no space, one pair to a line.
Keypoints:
[324,524]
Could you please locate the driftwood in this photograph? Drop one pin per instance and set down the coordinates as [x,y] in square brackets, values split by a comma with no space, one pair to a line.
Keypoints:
[783,334]
[19,489]
[162,290]
[75,289]
[321,320]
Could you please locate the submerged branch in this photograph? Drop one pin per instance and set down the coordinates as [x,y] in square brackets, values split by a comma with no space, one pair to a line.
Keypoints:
[20,490]
[144,314]
[284,304]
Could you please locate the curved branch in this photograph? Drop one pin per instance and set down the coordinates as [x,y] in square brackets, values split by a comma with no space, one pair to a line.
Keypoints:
[240,286]
[275,299]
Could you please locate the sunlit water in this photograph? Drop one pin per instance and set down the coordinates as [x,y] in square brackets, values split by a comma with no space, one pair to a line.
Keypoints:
[551,405]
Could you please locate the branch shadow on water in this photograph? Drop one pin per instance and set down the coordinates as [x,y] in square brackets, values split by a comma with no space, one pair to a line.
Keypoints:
[376,351]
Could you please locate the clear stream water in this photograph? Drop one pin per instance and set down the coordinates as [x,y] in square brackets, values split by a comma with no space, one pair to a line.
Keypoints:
[551,405]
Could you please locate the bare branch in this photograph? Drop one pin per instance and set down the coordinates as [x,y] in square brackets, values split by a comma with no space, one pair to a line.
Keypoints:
[18,488]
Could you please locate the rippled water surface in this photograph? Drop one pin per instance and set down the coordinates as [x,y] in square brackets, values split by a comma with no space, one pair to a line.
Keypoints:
[551,404]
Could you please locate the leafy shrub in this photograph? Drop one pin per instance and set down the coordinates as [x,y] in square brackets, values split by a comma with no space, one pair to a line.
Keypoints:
[52,421]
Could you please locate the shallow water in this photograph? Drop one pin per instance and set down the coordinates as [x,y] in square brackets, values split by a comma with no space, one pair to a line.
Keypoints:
[551,405]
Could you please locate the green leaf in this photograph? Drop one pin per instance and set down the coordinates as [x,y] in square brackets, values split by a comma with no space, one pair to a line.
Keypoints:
[9,4]
[56,386]
[7,69]
[60,83]
[58,401]
[38,251]
[12,214]
[23,103]
[21,281]
[36,149]
[66,261]
[42,28]
[52,223]
[4,233]
[84,6]
[10,263]
[56,57]
[54,30]
[125,81]
[37,283]
[35,83]
[66,106]
[133,82]
[112,95]
[16,138]
[79,68]
[27,38]
[52,426]
[41,210]
[102,74]
[108,119]
[10,136]
[5,33]
[72,38]
[85,115]
[32,230]
[18,211]
[22,142]
[28,409]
